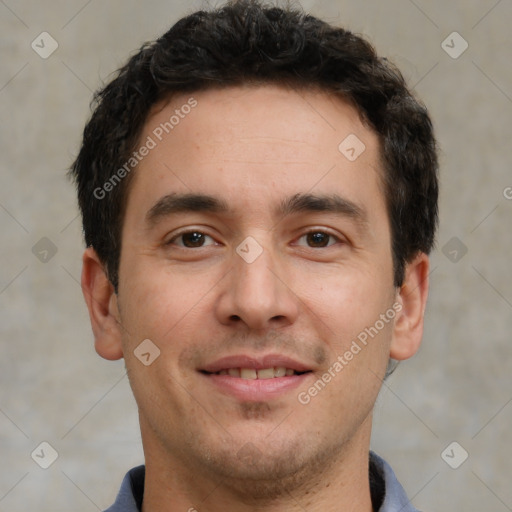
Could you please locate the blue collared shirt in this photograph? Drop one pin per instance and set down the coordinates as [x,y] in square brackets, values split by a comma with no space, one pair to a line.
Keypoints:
[130,496]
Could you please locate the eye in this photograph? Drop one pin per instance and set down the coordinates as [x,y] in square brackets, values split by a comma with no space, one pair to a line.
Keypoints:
[191,240]
[318,239]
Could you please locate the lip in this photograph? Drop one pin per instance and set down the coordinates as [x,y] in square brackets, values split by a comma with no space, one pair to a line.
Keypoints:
[259,390]
[256,363]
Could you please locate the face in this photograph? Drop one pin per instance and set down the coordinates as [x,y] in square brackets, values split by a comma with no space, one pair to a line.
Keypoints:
[256,257]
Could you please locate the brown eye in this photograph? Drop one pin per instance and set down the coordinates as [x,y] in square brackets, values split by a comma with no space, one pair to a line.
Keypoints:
[317,239]
[192,240]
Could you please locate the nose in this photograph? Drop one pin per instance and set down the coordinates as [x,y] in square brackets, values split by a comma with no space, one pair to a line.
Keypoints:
[257,294]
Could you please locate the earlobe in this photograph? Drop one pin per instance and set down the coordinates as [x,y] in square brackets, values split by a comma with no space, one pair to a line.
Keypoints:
[412,297]
[101,302]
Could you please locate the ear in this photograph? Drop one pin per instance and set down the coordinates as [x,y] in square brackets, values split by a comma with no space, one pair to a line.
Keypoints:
[412,297]
[101,301]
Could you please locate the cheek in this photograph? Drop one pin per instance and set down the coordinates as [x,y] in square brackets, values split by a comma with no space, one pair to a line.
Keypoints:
[347,301]
[166,309]
[159,302]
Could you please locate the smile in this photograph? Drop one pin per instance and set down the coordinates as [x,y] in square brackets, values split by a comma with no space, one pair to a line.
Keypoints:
[246,377]
[253,374]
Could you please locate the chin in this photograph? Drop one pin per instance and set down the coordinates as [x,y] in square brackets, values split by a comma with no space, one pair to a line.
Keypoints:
[265,471]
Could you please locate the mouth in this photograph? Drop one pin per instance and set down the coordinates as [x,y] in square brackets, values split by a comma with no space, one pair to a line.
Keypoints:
[254,374]
[256,379]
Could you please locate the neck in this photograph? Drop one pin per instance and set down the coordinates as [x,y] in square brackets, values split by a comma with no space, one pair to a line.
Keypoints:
[339,482]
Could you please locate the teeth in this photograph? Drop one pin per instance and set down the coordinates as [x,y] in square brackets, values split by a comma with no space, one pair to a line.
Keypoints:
[248,373]
[280,371]
[264,373]
[267,373]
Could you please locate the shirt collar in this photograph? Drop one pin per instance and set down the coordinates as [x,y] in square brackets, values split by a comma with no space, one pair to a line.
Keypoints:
[395,499]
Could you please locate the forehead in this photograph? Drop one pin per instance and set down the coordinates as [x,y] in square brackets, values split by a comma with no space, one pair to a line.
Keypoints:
[274,113]
[250,140]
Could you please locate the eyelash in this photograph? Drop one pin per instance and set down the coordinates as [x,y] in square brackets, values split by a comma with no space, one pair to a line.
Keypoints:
[309,232]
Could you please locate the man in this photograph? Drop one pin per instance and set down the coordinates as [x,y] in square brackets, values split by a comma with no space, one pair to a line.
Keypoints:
[259,198]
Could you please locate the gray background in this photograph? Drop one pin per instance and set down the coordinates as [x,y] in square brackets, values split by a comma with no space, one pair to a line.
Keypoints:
[53,386]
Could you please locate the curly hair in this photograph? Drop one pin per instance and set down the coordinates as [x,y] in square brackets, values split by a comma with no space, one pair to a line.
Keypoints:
[247,41]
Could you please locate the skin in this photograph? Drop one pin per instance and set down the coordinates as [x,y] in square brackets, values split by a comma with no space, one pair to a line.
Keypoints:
[254,147]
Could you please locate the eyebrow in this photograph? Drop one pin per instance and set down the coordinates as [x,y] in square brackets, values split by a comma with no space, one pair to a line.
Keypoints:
[298,203]
[331,203]
[183,203]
